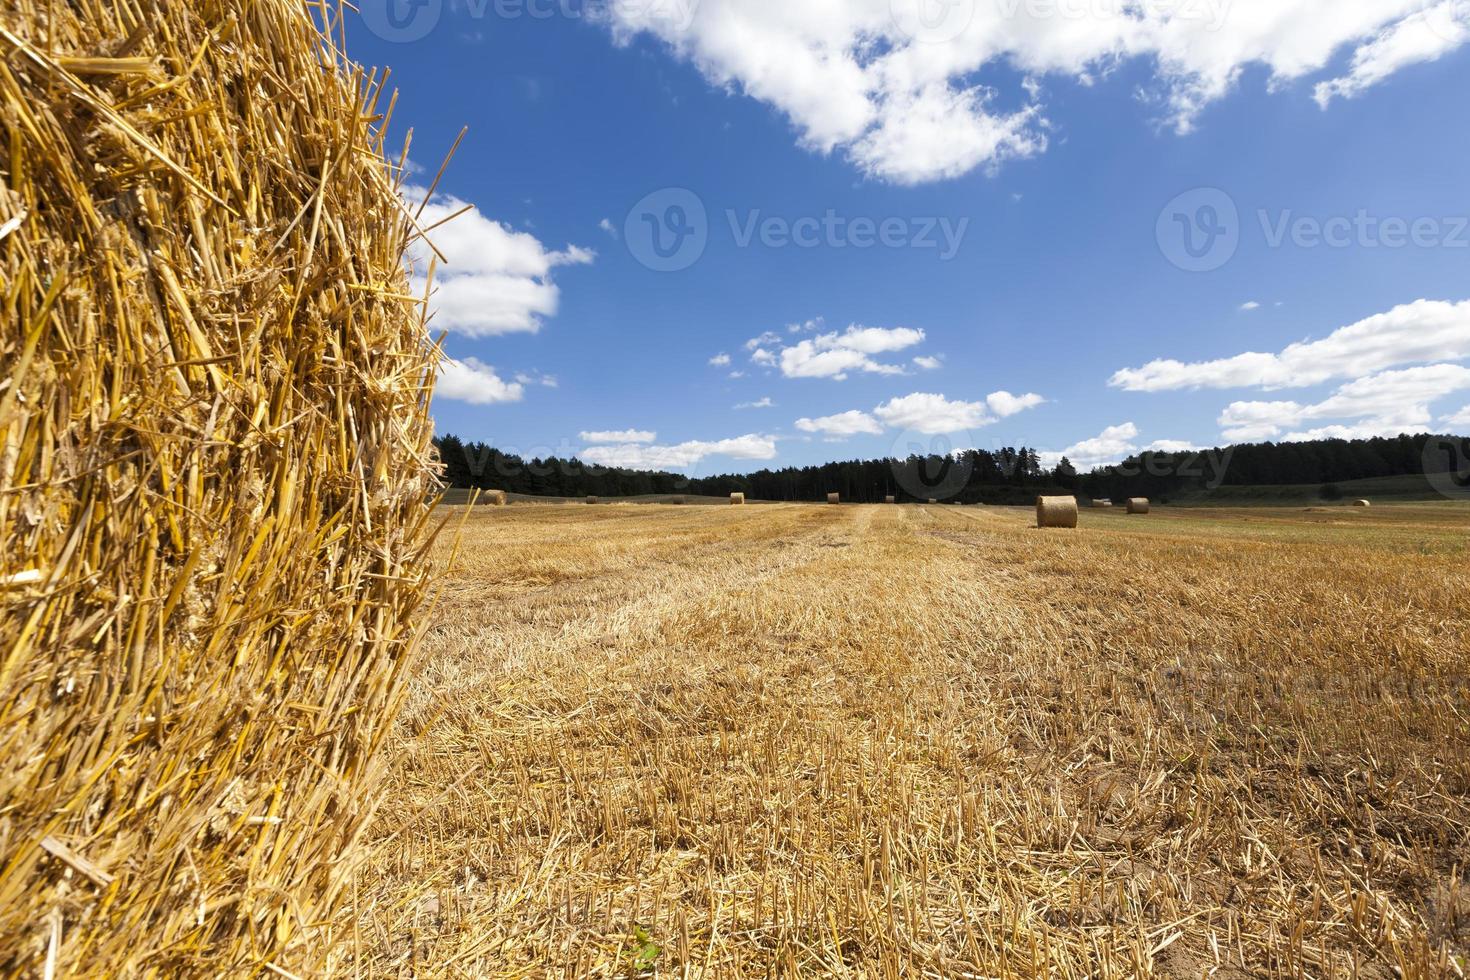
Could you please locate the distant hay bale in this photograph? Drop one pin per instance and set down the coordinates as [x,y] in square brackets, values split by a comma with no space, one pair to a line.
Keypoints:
[933,500]
[890,500]
[1058,512]
[738,499]
[1362,503]
[677,501]
[591,500]
[1102,503]
[834,498]
[495,498]
[1139,505]
[217,456]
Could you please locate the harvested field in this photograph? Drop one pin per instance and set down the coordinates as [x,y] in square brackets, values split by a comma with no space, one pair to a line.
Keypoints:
[883,741]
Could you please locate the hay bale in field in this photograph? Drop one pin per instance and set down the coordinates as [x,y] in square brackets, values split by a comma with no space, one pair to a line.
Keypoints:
[834,498]
[738,499]
[217,460]
[1139,505]
[1102,504]
[890,500]
[1362,503]
[591,500]
[494,498]
[677,501]
[1056,512]
[933,500]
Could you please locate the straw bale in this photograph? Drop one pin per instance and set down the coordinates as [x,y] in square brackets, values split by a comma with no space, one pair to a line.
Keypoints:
[213,487]
[1056,512]
[1139,505]
[834,498]
[737,499]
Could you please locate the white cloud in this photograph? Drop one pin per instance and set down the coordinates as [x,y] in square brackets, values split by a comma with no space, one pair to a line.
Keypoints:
[606,225]
[1385,404]
[1113,445]
[763,403]
[928,363]
[536,378]
[1249,307]
[1417,333]
[1004,404]
[471,380]
[933,414]
[682,456]
[496,280]
[625,436]
[1171,446]
[1460,418]
[720,360]
[1411,41]
[764,340]
[837,355]
[841,426]
[896,93]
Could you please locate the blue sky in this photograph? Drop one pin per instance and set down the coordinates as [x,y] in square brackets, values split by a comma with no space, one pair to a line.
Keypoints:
[1033,171]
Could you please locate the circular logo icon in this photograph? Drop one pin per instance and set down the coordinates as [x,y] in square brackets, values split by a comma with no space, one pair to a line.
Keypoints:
[401,21]
[668,230]
[1450,20]
[1199,231]
[929,467]
[933,21]
[1447,466]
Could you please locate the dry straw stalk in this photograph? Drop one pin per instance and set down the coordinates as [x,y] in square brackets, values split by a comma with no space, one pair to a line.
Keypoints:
[1056,512]
[216,458]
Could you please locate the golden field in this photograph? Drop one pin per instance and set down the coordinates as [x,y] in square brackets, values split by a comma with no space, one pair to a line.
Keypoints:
[931,741]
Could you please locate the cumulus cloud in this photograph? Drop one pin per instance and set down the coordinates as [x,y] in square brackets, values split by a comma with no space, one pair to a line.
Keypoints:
[473,381]
[1386,404]
[843,425]
[496,280]
[882,83]
[1423,332]
[1460,418]
[1250,306]
[606,225]
[1004,404]
[933,414]
[835,355]
[682,456]
[762,403]
[928,363]
[720,360]
[1413,40]
[624,436]
[1113,445]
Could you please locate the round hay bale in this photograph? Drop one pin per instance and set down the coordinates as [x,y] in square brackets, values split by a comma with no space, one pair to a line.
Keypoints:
[591,500]
[738,499]
[215,407]
[495,498]
[677,501]
[933,500]
[1139,505]
[834,498]
[1102,504]
[1056,512]
[1362,503]
[890,500]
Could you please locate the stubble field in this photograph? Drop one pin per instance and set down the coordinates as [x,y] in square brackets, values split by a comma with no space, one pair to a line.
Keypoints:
[932,741]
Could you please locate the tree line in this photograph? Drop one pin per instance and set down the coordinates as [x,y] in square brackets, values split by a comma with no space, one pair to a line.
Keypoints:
[1003,476]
